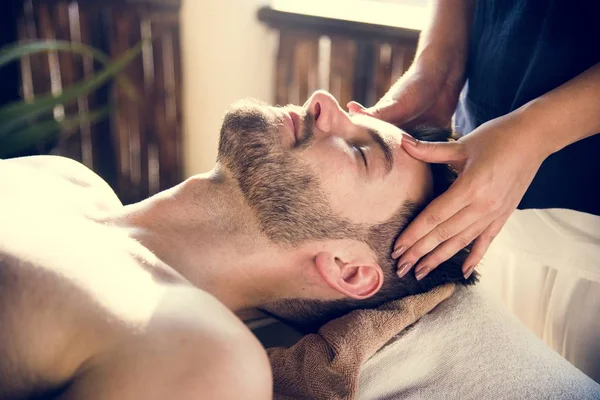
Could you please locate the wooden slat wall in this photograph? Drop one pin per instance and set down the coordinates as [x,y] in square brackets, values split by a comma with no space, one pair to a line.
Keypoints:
[138,149]
[284,68]
[341,72]
[297,74]
[362,61]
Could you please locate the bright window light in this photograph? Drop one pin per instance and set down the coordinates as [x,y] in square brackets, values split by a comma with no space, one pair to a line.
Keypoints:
[410,14]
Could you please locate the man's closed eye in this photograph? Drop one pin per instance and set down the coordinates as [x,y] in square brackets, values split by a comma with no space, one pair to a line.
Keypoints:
[361,150]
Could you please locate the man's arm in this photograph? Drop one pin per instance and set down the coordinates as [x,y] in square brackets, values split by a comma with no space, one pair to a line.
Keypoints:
[183,363]
[126,338]
[192,348]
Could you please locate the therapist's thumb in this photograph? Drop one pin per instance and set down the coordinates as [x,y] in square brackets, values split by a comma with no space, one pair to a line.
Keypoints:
[434,152]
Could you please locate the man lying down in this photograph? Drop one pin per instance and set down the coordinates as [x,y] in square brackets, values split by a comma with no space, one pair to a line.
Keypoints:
[101,301]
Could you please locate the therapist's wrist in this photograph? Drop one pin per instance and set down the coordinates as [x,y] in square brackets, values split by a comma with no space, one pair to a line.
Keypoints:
[540,128]
[446,38]
[568,113]
[443,53]
[443,66]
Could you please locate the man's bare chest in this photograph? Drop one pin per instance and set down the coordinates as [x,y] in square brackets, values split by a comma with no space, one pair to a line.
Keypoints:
[48,227]
[70,286]
[69,290]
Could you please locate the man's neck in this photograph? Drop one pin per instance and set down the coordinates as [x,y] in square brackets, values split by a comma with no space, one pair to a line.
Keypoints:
[203,230]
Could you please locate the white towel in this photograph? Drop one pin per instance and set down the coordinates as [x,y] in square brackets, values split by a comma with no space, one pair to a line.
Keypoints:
[471,348]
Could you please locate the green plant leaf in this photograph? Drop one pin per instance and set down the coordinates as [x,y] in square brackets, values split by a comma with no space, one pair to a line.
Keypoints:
[16,51]
[15,114]
[45,131]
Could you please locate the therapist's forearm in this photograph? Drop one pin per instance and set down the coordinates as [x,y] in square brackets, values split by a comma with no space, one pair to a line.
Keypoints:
[567,114]
[447,34]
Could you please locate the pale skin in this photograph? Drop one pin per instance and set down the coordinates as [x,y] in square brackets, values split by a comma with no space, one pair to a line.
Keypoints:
[88,312]
[100,300]
[495,168]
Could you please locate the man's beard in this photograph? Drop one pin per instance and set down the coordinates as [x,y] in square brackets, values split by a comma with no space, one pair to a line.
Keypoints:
[277,185]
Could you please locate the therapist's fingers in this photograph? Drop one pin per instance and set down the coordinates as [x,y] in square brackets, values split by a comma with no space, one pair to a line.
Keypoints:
[356,107]
[408,98]
[384,110]
[455,228]
[449,248]
[481,245]
[439,210]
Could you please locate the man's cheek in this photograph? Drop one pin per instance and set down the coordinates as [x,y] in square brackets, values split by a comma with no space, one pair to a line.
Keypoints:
[329,160]
[341,190]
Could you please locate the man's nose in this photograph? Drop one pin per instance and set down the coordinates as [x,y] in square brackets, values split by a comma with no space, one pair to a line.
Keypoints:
[329,116]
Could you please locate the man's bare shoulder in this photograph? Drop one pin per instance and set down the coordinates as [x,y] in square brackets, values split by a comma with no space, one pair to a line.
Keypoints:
[31,336]
[56,170]
[89,330]
[193,347]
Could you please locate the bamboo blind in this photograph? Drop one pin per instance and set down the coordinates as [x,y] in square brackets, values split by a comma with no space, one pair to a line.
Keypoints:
[137,150]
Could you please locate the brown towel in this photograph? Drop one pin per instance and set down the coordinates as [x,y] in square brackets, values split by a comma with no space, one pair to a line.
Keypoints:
[326,365]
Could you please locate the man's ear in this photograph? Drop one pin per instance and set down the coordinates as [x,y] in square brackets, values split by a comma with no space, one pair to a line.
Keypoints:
[356,278]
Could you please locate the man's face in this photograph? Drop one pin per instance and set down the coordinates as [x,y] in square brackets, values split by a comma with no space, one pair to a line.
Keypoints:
[299,167]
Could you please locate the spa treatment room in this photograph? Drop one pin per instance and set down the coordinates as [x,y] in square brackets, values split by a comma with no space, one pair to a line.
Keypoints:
[299,199]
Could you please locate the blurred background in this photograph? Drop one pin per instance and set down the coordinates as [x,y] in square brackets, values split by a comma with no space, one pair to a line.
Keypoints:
[166,97]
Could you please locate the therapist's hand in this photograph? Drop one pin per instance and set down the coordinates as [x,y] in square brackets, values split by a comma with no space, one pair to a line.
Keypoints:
[496,164]
[426,94]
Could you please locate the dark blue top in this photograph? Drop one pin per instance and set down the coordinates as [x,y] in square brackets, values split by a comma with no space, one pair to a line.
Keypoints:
[519,50]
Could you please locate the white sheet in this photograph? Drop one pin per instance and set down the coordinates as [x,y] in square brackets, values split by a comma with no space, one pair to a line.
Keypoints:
[545,266]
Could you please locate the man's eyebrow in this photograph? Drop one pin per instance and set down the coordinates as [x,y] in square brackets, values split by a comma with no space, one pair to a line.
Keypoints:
[385,148]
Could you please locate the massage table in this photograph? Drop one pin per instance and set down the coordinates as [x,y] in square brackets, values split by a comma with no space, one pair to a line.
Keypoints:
[529,329]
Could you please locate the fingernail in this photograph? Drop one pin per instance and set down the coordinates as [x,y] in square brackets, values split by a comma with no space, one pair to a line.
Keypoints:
[422,274]
[409,139]
[354,103]
[420,268]
[403,269]
[398,252]
[469,271]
